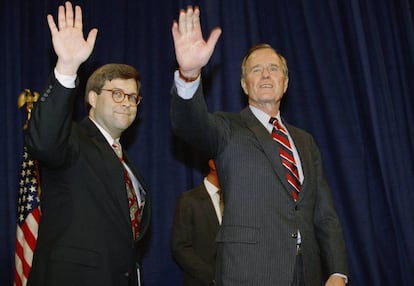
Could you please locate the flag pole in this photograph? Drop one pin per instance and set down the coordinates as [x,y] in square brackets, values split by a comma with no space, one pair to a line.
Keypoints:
[28,98]
[28,204]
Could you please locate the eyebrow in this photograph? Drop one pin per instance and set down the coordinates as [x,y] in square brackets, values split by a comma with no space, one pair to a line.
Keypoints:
[261,65]
[118,88]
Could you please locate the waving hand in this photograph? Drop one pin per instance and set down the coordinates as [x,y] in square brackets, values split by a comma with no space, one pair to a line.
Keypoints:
[68,41]
[191,50]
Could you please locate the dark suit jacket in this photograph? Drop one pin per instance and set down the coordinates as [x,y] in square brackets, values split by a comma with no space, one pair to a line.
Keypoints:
[85,235]
[258,235]
[193,238]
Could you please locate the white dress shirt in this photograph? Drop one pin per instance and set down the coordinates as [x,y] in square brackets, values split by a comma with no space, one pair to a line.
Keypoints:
[215,198]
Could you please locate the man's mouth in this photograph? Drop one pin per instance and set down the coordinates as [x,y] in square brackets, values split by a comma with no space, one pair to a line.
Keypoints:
[266,85]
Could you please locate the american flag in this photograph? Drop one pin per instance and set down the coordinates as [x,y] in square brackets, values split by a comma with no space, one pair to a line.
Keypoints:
[27,219]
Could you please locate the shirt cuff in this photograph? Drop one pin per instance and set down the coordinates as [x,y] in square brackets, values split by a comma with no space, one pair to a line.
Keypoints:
[341,275]
[185,90]
[67,81]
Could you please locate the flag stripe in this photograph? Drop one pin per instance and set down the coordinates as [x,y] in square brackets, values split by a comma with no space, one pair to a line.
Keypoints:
[18,271]
[17,280]
[30,229]
[22,266]
[27,220]
[24,254]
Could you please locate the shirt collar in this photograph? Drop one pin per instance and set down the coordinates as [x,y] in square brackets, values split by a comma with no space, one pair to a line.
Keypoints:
[263,117]
[107,136]
[211,189]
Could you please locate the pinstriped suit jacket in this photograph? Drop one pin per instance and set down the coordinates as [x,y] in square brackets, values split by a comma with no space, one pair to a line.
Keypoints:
[257,239]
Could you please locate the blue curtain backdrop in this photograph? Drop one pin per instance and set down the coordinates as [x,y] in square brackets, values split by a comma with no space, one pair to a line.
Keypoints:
[351,66]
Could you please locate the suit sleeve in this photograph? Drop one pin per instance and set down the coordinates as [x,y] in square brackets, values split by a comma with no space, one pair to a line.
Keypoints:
[50,126]
[328,228]
[192,123]
[182,244]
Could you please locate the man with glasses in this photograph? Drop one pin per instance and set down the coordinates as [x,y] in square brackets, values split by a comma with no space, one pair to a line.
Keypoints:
[95,205]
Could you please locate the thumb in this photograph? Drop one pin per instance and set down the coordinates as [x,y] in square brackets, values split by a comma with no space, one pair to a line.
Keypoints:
[213,38]
[92,37]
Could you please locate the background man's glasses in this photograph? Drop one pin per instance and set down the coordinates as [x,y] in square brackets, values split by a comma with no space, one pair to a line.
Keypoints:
[118,96]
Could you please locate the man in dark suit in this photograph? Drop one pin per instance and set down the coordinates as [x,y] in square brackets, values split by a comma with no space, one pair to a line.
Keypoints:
[88,233]
[270,234]
[197,218]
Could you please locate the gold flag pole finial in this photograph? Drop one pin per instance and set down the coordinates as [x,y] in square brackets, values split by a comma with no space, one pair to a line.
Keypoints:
[26,97]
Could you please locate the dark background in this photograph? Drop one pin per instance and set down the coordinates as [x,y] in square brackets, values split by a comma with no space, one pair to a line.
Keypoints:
[351,66]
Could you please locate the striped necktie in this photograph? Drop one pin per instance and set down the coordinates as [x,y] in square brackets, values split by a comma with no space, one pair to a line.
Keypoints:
[134,210]
[280,135]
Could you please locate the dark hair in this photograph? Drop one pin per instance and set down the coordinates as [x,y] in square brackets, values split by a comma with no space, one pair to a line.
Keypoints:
[109,72]
[259,47]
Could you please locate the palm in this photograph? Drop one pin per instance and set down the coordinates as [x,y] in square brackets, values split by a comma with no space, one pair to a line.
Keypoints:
[70,45]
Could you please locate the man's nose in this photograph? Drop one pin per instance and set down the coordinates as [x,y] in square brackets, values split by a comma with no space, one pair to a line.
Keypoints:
[265,72]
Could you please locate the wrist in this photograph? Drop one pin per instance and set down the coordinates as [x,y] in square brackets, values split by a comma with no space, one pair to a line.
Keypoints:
[66,68]
[188,78]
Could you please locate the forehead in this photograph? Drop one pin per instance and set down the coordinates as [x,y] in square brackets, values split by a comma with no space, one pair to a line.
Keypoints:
[263,56]
[127,85]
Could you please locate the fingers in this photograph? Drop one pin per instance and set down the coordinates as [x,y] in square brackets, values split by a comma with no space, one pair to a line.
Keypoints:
[182,22]
[174,30]
[189,19]
[196,19]
[66,18]
[61,17]
[78,17]
[188,26]
[69,14]
[52,25]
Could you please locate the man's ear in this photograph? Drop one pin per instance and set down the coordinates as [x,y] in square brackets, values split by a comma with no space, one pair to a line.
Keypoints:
[286,84]
[243,85]
[92,97]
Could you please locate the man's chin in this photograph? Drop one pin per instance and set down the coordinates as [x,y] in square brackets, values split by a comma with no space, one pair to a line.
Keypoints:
[123,124]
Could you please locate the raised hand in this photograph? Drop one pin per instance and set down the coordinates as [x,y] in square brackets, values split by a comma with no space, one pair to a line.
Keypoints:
[191,50]
[68,41]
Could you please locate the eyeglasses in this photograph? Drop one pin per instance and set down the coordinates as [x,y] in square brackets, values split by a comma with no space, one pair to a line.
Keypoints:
[118,95]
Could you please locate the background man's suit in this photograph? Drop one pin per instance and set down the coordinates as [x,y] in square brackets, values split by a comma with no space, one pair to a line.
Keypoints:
[85,229]
[258,236]
[194,236]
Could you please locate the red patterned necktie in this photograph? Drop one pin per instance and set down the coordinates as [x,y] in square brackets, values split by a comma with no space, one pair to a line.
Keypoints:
[134,210]
[279,134]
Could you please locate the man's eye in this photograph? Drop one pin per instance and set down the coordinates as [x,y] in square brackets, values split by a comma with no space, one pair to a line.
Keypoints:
[117,93]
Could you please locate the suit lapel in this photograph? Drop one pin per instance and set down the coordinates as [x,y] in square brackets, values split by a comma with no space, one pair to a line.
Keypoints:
[107,166]
[208,206]
[300,147]
[268,144]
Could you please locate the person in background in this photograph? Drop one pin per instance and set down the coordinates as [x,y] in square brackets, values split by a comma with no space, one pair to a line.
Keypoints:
[95,204]
[197,219]
[280,225]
